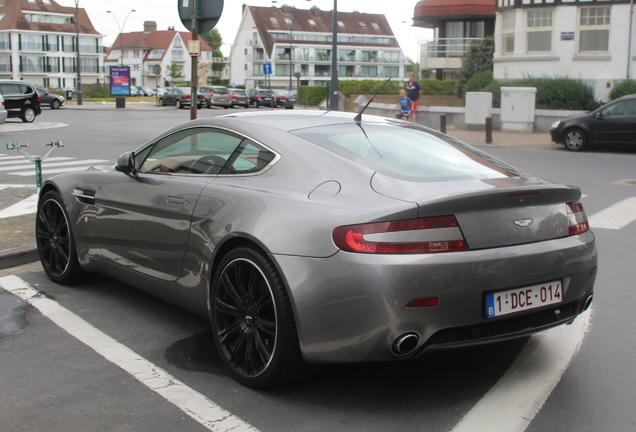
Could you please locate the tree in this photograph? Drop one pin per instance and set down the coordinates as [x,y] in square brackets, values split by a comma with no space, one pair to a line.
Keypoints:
[477,58]
[214,39]
[174,71]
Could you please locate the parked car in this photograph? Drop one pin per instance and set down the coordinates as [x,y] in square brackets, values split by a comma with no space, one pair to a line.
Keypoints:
[21,100]
[239,97]
[614,123]
[136,91]
[310,237]
[292,96]
[147,91]
[216,96]
[180,97]
[281,97]
[260,98]
[162,91]
[3,111]
[52,100]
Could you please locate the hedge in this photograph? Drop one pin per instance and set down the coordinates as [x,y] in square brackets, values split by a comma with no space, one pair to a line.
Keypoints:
[623,88]
[311,95]
[552,93]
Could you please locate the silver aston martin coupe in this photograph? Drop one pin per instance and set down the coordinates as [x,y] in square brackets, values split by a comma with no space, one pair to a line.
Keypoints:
[310,237]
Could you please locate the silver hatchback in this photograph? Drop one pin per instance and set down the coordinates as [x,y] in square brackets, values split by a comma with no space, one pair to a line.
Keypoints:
[216,96]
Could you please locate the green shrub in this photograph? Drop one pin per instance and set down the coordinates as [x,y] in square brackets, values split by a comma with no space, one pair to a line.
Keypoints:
[477,58]
[95,90]
[478,82]
[311,95]
[623,88]
[552,93]
[369,87]
[434,87]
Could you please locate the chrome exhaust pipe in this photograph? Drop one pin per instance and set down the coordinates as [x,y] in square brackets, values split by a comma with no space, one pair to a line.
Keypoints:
[587,302]
[406,343]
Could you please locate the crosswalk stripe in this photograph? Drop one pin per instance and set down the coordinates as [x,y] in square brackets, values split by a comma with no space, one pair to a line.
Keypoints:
[11,158]
[54,170]
[31,167]
[5,166]
[616,216]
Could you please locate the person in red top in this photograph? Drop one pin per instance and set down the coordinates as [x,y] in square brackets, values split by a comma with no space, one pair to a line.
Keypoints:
[413,91]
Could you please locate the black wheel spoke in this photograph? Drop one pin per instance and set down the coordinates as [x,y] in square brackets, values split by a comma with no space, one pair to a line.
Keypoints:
[53,237]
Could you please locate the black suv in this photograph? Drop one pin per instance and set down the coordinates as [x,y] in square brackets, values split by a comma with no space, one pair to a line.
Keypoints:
[21,100]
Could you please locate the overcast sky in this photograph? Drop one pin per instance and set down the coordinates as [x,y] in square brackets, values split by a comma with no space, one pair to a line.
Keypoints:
[164,12]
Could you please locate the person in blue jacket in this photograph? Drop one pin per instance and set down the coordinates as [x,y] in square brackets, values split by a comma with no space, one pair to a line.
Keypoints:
[404,107]
[413,91]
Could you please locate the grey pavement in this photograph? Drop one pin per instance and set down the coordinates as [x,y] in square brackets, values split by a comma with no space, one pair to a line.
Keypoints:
[17,234]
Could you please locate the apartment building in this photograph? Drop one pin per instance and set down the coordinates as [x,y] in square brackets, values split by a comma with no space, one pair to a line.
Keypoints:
[38,43]
[296,46]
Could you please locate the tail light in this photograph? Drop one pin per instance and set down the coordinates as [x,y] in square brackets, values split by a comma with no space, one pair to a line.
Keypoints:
[233,96]
[39,99]
[186,96]
[577,220]
[258,97]
[415,236]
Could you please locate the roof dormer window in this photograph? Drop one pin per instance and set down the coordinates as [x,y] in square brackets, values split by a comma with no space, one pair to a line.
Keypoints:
[375,26]
[312,22]
[340,24]
[363,25]
[274,21]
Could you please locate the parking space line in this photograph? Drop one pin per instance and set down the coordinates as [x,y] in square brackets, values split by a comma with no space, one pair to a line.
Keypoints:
[191,402]
[513,402]
[616,216]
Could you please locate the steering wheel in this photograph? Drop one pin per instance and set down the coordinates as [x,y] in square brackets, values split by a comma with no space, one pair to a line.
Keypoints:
[207,165]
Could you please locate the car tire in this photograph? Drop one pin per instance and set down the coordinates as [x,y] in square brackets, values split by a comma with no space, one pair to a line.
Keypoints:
[255,105]
[55,244]
[161,102]
[28,115]
[246,106]
[178,104]
[575,139]
[55,104]
[253,322]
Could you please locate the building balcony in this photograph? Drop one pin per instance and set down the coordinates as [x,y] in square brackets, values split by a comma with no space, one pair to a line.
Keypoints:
[447,47]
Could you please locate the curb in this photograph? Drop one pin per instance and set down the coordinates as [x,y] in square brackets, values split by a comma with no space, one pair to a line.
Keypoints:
[18,256]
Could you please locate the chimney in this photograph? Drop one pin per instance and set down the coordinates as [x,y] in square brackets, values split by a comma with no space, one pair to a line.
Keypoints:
[170,27]
[150,26]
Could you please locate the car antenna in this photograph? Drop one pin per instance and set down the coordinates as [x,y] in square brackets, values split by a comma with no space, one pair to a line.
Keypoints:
[358,118]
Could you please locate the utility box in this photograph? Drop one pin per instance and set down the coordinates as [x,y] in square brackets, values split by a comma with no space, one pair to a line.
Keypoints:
[478,109]
[517,109]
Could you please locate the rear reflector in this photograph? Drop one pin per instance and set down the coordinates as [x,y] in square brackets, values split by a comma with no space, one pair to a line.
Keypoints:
[577,220]
[415,236]
[425,302]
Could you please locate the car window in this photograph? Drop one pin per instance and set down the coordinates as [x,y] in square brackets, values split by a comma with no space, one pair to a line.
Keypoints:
[626,108]
[249,158]
[406,152]
[192,151]
[219,90]
[26,89]
[10,89]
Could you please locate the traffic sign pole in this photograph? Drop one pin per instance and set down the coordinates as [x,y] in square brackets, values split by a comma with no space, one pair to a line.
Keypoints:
[194,96]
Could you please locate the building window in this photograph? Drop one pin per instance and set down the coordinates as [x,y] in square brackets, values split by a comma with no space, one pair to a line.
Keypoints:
[323,70]
[68,43]
[539,31]
[369,71]
[369,56]
[178,43]
[52,64]
[375,26]
[31,42]
[288,21]
[156,54]
[89,45]
[391,71]
[594,28]
[508,33]
[52,43]
[323,55]
[363,25]
[5,41]
[312,22]
[89,65]
[283,69]
[69,64]
[340,24]
[347,55]
[5,63]
[346,71]
[177,55]
[274,22]
[390,56]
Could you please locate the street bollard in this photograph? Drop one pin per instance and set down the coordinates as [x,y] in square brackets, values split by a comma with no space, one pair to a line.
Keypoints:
[442,123]
[37,160]
[488,130]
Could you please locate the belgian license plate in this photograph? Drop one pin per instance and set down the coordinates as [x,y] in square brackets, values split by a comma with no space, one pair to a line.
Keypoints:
[520,299]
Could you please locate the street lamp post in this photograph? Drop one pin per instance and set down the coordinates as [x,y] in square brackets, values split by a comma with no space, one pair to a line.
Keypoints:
[333,99]
[79,76]
[121,34]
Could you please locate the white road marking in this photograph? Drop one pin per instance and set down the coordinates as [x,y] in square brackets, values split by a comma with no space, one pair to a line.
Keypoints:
[21,160]
[513,402]
[37,125]
[31,166]
[616,216]
[26,206]
[191,402]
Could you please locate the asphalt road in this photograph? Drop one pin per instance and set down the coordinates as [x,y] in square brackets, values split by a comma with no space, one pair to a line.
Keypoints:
[50,381]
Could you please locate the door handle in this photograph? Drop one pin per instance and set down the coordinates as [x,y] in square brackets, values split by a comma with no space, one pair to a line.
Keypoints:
[175,200]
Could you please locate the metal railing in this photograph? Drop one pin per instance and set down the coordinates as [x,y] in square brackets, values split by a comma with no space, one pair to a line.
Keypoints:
[447,47]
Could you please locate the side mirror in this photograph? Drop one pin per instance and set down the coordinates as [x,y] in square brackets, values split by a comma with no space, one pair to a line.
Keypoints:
[599,115]
[126,163]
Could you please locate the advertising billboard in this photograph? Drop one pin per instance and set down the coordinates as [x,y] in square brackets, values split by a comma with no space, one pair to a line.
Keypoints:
[120,81]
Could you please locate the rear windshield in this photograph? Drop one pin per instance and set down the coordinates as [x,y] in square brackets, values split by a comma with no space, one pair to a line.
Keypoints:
[406,151]
[238,92]
[219,90]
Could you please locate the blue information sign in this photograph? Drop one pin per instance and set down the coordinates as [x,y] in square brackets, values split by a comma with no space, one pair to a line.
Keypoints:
[267,68]
[120,81]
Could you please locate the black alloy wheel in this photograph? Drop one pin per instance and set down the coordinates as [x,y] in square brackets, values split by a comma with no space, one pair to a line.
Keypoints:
[54,241]
[253,323]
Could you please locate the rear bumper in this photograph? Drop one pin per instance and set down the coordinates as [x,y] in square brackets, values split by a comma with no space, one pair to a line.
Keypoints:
[352,307]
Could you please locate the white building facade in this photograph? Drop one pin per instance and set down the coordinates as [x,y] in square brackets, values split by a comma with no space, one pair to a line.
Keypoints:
[583,39]
[142,51]
[38,44]
[297,44]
